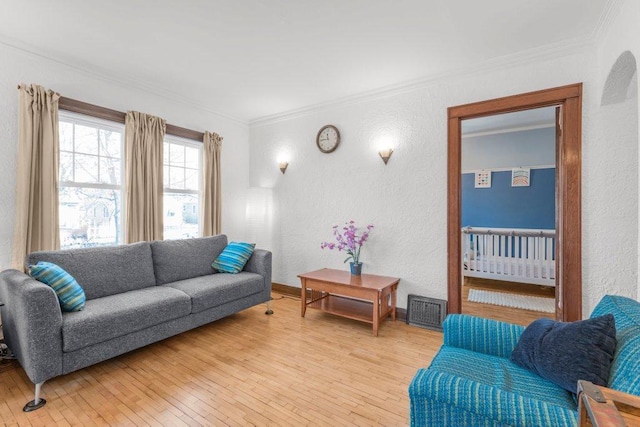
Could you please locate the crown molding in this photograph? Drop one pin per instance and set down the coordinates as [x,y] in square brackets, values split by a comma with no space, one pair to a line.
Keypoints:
[125,82]
[546,52]
[610,12]
[507,130]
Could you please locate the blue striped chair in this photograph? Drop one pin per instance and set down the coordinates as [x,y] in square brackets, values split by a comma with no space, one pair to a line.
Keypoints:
[471,381]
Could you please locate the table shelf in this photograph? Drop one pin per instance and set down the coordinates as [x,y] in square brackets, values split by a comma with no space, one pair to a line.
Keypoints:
[345,307]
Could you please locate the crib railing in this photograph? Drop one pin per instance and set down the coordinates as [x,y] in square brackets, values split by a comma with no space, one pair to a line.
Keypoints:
[517,255]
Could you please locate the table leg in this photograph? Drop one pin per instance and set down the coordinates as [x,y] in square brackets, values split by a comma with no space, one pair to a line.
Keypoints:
[376,314]
[303,296]
[393,303]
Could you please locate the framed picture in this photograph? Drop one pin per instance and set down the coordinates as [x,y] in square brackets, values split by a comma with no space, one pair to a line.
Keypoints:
[520,177]
[483,179]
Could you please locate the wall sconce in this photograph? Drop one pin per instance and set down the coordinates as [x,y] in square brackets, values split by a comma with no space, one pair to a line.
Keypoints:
[385,154]
[283,166]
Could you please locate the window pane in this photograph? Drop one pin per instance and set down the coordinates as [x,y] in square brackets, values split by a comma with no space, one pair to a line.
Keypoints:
[66,167]
[165,177]
[86,168]
[110,171]
[165,154]
[176,154]
[192,157]
[66,136]
[176,178]
[110,143]
[191,179]
[89,217]
[86,140]
[180,215]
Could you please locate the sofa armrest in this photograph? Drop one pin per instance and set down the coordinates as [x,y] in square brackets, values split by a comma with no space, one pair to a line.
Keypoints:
[260,263]
[489,403]
[482,335]
[32,324]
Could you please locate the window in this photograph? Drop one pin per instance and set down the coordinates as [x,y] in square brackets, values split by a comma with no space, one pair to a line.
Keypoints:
[91,181]
[182,175]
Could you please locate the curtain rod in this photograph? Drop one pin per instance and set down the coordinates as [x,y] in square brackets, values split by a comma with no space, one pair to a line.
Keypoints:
[85,108]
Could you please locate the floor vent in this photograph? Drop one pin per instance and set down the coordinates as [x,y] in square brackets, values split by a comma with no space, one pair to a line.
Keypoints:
[426,312]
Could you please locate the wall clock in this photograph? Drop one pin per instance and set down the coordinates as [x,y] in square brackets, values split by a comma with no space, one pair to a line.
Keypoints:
[328,138]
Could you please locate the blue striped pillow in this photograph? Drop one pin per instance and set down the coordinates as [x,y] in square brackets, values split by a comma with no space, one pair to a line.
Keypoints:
[70,293]
[233,257]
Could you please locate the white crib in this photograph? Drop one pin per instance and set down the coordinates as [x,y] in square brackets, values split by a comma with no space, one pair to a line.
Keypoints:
[516,255]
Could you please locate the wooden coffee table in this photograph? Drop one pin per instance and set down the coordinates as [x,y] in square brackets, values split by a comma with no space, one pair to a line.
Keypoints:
[368,298]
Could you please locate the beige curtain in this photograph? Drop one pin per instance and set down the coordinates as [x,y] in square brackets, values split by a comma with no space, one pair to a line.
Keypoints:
[36,220]
[144,136]
[211,189]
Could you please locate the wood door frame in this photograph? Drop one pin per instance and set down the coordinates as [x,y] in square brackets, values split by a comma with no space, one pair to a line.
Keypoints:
[568,191]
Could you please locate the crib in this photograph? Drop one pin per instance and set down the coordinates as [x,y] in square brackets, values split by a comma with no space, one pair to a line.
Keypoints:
[512,254]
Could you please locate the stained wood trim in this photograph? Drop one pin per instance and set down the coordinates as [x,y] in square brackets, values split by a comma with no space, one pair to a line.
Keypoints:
[185,133]
[569,210]
[92,110]
[87,109]
[509,104]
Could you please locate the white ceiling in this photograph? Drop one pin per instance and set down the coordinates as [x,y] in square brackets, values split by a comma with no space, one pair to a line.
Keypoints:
[249,59]
[510,122]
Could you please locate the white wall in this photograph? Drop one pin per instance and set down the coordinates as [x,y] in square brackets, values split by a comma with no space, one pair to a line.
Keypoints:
[21,67]
[406,200]
[611,201]
[535,147]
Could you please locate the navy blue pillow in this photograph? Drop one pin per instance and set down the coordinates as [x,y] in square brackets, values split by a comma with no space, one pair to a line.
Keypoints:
[564,352]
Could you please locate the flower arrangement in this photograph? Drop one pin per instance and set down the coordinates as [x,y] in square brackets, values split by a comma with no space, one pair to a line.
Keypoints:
[350,239]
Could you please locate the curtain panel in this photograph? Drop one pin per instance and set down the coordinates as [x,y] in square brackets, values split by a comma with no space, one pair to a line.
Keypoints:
[36,222]
[144,135]
[211,188]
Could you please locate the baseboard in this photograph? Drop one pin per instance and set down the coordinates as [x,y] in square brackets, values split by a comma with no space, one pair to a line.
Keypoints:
[293,291]
[285,289]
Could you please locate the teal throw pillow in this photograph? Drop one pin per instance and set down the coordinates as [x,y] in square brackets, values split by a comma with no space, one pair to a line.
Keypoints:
[70,293]
[233,257]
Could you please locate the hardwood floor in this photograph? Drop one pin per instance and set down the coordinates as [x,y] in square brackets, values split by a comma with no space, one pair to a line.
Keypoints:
[246,369]
[505,314]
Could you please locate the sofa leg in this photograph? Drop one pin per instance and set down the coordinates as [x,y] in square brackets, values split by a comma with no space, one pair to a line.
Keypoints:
[269,311]
[36,403]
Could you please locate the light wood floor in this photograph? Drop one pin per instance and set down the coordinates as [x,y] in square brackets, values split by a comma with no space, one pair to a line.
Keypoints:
[247,369]
[505,314]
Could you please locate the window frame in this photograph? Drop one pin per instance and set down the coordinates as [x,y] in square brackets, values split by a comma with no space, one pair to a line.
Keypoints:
[177,140]
[101,124]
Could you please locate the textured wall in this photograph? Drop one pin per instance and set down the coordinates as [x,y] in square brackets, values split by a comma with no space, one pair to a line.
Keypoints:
[406,199]
[19,67]
[611,201]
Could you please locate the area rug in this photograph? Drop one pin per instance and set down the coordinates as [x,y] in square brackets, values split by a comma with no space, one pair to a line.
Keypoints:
[526,302]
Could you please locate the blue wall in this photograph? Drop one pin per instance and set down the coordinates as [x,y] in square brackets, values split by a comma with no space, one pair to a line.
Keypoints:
[504,206]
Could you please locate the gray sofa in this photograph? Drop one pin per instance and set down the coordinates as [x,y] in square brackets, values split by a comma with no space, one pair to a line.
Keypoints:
[136,294]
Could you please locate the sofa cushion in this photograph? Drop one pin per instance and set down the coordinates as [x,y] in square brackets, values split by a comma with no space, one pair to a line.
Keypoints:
[186,258]
[565,352]
[213,290]
[106,270]
[234,257]
[625,310]
[117,315]
[70,293]
[625,369]
[499,372]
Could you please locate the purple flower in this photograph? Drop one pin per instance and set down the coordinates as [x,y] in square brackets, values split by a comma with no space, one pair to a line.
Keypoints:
[350,239]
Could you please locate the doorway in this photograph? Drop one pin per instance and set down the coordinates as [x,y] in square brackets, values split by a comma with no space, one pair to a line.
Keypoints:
[508,215]
[568,267]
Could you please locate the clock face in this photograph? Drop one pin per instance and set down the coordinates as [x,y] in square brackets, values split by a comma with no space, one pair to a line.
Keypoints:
[328,138]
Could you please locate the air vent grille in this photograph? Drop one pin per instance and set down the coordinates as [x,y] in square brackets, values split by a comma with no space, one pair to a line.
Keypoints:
[426,312]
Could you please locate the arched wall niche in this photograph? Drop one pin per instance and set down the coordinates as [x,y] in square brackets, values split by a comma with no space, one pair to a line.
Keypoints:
[622,81]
